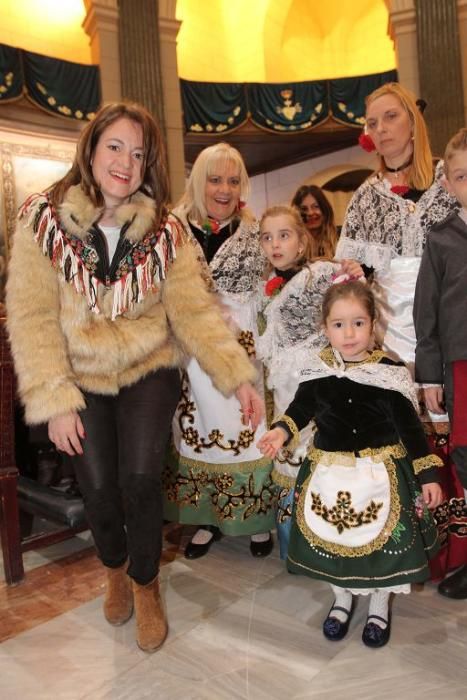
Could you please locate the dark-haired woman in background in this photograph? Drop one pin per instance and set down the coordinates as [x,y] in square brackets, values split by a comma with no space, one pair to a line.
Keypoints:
[318,216]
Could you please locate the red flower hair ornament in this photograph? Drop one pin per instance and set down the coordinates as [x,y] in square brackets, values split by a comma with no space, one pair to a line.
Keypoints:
[366,142]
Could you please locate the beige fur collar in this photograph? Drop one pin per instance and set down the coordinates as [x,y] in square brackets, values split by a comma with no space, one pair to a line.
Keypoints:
[77,214]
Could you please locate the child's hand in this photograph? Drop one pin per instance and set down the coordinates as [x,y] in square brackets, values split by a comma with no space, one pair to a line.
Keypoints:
[272,441]
[434,399]
[432,495]
[352,268]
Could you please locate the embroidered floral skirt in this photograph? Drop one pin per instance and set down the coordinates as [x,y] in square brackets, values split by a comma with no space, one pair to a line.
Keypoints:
[360,522]
[238,501]
[215,474]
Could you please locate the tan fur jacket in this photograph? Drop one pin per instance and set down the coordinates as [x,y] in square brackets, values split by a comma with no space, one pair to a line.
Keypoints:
[72,331]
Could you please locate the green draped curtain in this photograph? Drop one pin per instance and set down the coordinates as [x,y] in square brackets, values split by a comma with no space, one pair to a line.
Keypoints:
[278,107]
[347,95]
[213,107]
[62,87]
[288,106]
[11,74]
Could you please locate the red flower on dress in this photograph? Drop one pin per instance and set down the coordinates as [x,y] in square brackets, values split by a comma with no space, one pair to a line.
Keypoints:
[400,189]
[366,142]
[274,285]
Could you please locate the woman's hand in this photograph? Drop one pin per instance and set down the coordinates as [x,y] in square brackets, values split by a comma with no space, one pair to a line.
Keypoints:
[434,399]
[66,432]
[352,268]
[252,405]
[272,441]
[432,495]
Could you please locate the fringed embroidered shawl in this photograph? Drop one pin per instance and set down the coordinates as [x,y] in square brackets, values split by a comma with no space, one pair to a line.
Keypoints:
[139,271]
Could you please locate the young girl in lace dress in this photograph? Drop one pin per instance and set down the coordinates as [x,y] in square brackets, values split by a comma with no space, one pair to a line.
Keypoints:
[360,518]
[290,329]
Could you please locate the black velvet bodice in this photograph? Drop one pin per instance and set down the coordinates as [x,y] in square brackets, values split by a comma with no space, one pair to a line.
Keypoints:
[351,417]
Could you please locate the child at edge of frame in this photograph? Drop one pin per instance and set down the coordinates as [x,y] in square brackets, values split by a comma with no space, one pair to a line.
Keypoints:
[440,308]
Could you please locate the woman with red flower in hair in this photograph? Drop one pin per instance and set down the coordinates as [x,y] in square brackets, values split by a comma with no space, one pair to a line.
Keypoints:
[385,228]
[289,325]
[217,478]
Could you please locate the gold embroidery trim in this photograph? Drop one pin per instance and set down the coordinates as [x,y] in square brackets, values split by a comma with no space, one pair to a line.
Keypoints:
[287,482]
[230,467]
[292,426]
[349,459]
[396,574]
[327,355]
[426,463]
[364,550]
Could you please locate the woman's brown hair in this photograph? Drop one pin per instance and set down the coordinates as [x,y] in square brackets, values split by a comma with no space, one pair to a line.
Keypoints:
[155,180]
[327,236]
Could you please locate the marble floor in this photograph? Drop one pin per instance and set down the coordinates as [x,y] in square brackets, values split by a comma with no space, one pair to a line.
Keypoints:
[240,628]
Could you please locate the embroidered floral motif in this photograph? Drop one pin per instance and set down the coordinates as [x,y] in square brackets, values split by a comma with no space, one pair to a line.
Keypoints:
[420,506]
[343,515]
[284,507]
[396,534]
[189,487]
[247,341]
[186,415]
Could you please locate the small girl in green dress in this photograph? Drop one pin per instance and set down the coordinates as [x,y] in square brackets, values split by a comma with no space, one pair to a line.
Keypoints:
[361,517]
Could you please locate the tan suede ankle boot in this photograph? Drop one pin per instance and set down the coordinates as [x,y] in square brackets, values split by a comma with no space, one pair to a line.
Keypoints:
[151,624]
[118,603]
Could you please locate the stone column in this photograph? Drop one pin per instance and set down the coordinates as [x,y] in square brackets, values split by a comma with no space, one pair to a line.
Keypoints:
[462,22]
[403,31]
[440,69]
[148,58]
[101,25]
[139,55]
[168,30]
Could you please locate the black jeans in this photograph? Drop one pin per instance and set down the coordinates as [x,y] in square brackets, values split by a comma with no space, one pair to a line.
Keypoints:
[119,474]
[458,454]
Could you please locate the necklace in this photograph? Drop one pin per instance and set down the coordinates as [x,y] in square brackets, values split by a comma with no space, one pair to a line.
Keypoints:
[400,167]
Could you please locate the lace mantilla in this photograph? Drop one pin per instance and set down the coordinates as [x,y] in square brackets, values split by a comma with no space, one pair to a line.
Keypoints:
[238,266]
[380,224]
[293,319]
[138,273]
[371,372]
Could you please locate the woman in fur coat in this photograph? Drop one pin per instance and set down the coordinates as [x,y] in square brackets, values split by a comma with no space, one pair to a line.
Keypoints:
[105,300]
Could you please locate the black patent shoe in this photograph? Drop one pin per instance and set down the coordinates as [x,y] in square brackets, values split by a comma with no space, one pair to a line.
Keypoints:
[195,551]
[262,549]
[333,628]
[455,586]
[375,636]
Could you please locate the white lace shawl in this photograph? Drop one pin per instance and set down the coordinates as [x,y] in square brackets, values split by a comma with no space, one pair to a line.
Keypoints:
[293,321]
[239,264]
[329,363]
[380,224]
